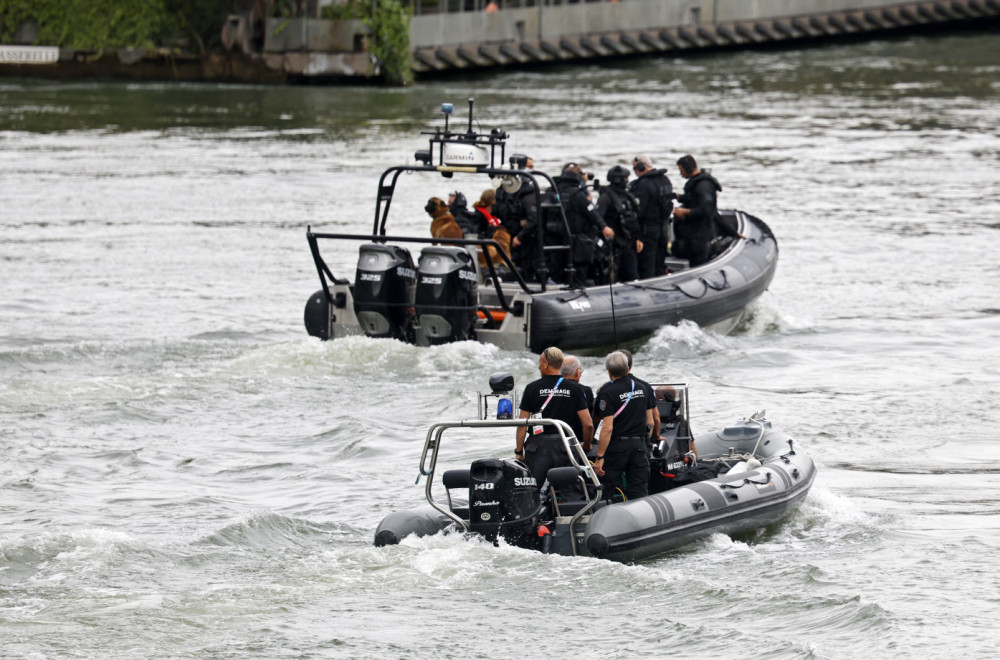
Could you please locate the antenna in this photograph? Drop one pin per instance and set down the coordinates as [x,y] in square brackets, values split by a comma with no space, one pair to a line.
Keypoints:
[472,102]
[611,290]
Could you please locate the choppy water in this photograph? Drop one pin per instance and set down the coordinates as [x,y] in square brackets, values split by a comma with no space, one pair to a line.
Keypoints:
[186,474]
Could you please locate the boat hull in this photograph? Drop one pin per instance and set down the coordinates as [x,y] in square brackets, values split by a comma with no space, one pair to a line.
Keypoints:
[714,295]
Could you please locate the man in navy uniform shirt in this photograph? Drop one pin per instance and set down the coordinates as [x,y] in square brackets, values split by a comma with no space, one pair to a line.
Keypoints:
[626,420]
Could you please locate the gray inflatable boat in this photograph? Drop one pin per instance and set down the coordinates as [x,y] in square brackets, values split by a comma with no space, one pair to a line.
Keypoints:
[735,480]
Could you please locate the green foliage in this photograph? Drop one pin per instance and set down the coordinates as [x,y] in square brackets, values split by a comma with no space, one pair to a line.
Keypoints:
[354,9]
[101,25]
[201,19]
[389,22]
[390,26]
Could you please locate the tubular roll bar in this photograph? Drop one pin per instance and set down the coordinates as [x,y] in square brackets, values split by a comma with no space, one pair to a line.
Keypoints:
[386,191]
[432,445]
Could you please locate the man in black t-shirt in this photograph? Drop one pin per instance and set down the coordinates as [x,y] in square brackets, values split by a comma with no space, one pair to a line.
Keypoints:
[554,397]
[627,419]
[649,394]
[572,369]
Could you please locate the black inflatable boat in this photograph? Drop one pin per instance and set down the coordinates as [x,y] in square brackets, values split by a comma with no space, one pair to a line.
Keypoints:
[444,294]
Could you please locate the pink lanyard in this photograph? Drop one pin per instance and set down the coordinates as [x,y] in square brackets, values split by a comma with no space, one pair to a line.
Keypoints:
[553,392]
[540,429]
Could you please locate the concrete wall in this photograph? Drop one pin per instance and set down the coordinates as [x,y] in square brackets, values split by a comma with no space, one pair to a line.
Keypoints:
[742,10]
[312,34]
[534,23]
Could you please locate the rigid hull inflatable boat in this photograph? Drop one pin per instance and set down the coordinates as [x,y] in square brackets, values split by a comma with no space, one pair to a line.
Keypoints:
[744,477]
[446,295]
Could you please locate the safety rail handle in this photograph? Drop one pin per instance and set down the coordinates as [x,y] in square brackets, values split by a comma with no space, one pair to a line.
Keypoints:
[432,446]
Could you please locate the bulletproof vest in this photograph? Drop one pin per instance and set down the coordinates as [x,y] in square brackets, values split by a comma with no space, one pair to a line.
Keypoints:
[552,222]
[566,192]
[512,209]
[555,230]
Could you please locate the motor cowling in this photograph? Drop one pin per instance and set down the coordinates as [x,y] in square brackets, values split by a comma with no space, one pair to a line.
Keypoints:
[384,288]
[317,315]
[446,294]
[503,501]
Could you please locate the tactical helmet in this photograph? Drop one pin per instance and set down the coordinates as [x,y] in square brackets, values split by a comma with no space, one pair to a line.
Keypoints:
[617,174]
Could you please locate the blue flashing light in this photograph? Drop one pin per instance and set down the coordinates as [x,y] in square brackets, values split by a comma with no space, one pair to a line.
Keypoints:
[447,108]
[505,408]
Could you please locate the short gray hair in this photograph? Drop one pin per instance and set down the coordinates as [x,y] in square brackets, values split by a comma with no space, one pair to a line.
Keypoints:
[644,159]
[617,364]
[570,364]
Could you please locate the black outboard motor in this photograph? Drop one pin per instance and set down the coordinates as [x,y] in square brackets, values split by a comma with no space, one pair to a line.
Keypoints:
[504,501]
[384,288]
[446,294]
[317,315]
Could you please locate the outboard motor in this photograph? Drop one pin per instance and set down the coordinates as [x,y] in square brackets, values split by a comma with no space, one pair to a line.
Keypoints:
[384,288]
[317,315]
[446,294]
[503,501]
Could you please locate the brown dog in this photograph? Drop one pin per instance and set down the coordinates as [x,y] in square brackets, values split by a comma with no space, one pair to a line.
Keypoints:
[502,237]
[443,224]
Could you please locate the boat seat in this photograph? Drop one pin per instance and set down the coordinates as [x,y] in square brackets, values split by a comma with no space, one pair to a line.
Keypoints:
[570,508]
[668,410]
[568,481]
[675,264]
[456,478]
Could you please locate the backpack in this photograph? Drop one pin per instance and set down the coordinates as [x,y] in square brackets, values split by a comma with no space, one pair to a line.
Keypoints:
[665,195]
[628,211]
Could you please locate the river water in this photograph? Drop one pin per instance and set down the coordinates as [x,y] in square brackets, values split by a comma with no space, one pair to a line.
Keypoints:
[186,474]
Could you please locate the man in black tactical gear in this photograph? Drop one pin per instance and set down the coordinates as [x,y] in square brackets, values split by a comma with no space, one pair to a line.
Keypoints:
[620,210]
[695,223]
[580,215]
[517,208]
[655,194]
[627,418]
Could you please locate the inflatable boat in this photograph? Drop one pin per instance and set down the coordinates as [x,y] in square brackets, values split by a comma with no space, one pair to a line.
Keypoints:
[445,294]
[735,480]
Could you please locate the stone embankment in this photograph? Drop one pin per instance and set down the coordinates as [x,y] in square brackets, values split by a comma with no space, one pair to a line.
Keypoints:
[691,32]
[279,50]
